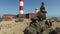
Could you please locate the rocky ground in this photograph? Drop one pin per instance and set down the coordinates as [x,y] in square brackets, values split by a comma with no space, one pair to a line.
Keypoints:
[55,23]
[12,27]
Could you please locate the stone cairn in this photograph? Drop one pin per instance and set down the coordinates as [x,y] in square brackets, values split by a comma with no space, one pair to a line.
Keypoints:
[39,24]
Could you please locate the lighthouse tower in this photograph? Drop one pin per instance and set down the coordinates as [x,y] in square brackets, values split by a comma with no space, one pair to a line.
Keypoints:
[21,7]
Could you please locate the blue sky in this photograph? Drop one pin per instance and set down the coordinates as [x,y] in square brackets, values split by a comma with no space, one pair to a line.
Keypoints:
[12,7]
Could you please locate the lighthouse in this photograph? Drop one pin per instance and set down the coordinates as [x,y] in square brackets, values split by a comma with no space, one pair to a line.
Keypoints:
[21,7]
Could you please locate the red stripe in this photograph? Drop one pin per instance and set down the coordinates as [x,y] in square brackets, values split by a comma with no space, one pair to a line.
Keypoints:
[21,8]
[22,0]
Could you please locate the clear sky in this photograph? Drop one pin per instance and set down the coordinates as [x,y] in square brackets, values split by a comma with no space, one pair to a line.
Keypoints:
[12,6]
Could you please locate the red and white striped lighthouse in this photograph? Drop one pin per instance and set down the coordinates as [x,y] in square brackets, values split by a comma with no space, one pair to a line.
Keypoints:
[21,7]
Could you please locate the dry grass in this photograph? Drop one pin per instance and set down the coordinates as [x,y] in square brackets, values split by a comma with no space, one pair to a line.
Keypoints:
[11,27]
[56,24]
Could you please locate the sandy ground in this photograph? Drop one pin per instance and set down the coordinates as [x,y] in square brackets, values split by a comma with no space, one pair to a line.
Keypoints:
[12,27]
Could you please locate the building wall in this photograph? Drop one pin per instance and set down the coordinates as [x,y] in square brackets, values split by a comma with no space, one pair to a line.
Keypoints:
[8,16]
[21,15]
[30,15]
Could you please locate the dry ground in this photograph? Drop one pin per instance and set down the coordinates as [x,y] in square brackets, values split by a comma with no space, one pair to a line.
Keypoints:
[55,24]
[12,27]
